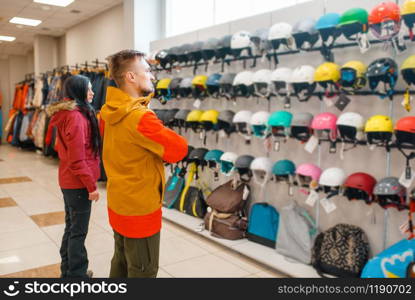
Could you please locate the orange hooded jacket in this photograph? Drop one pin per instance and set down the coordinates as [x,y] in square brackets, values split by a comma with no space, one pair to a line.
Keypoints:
[135,145]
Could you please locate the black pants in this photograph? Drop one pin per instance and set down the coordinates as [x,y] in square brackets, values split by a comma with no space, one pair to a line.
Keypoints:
[137,258]
[73,252]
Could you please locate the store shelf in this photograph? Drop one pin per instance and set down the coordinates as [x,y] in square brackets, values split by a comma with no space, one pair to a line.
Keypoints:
[262,254]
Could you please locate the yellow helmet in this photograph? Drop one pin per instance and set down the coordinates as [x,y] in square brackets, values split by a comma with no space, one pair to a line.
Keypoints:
[353,75]
[408,70]
[408,8]
[163,84]
[327,72]
[210,116]
[379,123]
[194,116]
[200,80]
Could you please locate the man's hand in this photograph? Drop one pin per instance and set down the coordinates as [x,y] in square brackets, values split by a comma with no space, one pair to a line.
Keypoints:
[94,196]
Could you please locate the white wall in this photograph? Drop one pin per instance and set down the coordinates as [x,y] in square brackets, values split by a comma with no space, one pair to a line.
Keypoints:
[357,160]
[96,38]
[46,53]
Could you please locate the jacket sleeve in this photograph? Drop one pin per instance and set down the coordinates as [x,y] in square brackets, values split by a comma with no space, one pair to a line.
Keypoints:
[75,143]
[155,137]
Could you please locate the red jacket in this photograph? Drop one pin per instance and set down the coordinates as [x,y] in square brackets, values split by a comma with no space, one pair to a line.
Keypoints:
[79,167]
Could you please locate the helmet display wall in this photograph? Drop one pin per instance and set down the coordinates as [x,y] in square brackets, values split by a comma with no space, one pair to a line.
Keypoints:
[363,158]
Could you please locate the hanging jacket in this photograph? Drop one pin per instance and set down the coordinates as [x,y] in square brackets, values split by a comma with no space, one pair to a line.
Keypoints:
[135,145]
[79,165]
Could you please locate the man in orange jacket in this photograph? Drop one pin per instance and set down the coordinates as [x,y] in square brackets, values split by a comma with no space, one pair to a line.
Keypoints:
[135,146]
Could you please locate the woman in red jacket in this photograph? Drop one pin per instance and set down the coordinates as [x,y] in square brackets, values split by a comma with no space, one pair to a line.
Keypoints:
[79,145]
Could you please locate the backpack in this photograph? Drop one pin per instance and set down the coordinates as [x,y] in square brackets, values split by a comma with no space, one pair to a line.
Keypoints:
[174,188]
[226,218]
[342,251]
[296,233]
[227,198]
[263,224]
[225,225]
[393,262]
[192,198]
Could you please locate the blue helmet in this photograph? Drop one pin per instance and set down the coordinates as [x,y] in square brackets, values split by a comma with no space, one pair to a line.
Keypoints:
[212,84]
[327,26]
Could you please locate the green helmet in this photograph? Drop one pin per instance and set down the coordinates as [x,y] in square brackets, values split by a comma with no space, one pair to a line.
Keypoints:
[354,21]
[280,119]
[283,168]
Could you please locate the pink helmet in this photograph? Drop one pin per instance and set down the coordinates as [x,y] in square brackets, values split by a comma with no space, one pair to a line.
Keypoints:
[310,170]
[326,121]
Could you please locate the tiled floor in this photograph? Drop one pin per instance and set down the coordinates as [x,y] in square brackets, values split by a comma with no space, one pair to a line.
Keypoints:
[31,227]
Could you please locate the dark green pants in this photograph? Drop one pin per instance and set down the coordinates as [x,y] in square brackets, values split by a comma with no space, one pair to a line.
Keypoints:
[135,258]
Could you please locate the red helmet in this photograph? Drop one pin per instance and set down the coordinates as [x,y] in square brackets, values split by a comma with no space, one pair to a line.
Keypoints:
[405,131]
[381,20]
[385,11]
[406,124]
[361,182]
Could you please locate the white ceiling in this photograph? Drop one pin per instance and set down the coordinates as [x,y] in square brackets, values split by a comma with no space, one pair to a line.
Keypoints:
[54,21]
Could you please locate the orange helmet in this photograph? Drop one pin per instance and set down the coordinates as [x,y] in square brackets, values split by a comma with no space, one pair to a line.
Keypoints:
[406,124]
[383,15]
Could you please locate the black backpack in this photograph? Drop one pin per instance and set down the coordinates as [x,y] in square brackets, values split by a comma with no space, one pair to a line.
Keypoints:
[342,251]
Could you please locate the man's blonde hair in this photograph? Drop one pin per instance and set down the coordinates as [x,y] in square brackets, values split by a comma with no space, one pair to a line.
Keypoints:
[119,62]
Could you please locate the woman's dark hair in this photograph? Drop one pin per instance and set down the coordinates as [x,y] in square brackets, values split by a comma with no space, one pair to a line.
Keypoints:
[76,88]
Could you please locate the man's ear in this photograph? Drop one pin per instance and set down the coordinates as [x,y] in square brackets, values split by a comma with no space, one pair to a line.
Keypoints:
[129,76]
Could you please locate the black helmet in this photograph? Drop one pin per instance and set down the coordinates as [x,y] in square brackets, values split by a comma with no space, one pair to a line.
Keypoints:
[225,121]
[209,49]
[182,53]
[181,116]
[198,156]
[242,165]
[226,85]
[383,70]
[224,47]
[169,117]
[174,86]
[195,53]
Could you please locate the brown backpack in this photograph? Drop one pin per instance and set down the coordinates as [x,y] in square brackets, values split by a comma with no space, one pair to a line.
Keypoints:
[227,198]
[226,226]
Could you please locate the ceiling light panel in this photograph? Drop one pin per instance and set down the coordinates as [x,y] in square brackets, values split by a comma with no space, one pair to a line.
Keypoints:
[25,21]
[62,3]
[7,38]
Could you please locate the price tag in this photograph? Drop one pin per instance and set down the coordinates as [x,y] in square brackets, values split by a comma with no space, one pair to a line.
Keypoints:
[277,146]
[197,103]
[372,147]
[246,193]
[312,198]
[222,134]
[328,101]
[342,102]
[311,145]
[201,135]
[404,178]
[328,205]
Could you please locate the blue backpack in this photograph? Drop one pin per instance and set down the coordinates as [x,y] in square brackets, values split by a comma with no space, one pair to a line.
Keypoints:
[263,224]
[391,263]
[174,188]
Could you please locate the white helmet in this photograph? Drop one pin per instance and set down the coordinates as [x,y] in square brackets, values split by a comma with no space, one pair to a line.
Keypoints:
[282,75]
[332,177]
[303,74]
[241,120]
[262,82]
[261,168]
[280,31]
[243,116]
[262,76]
[259,123]
[227,163]
[243,78]
[350,126]
[241,40]
[351,119]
